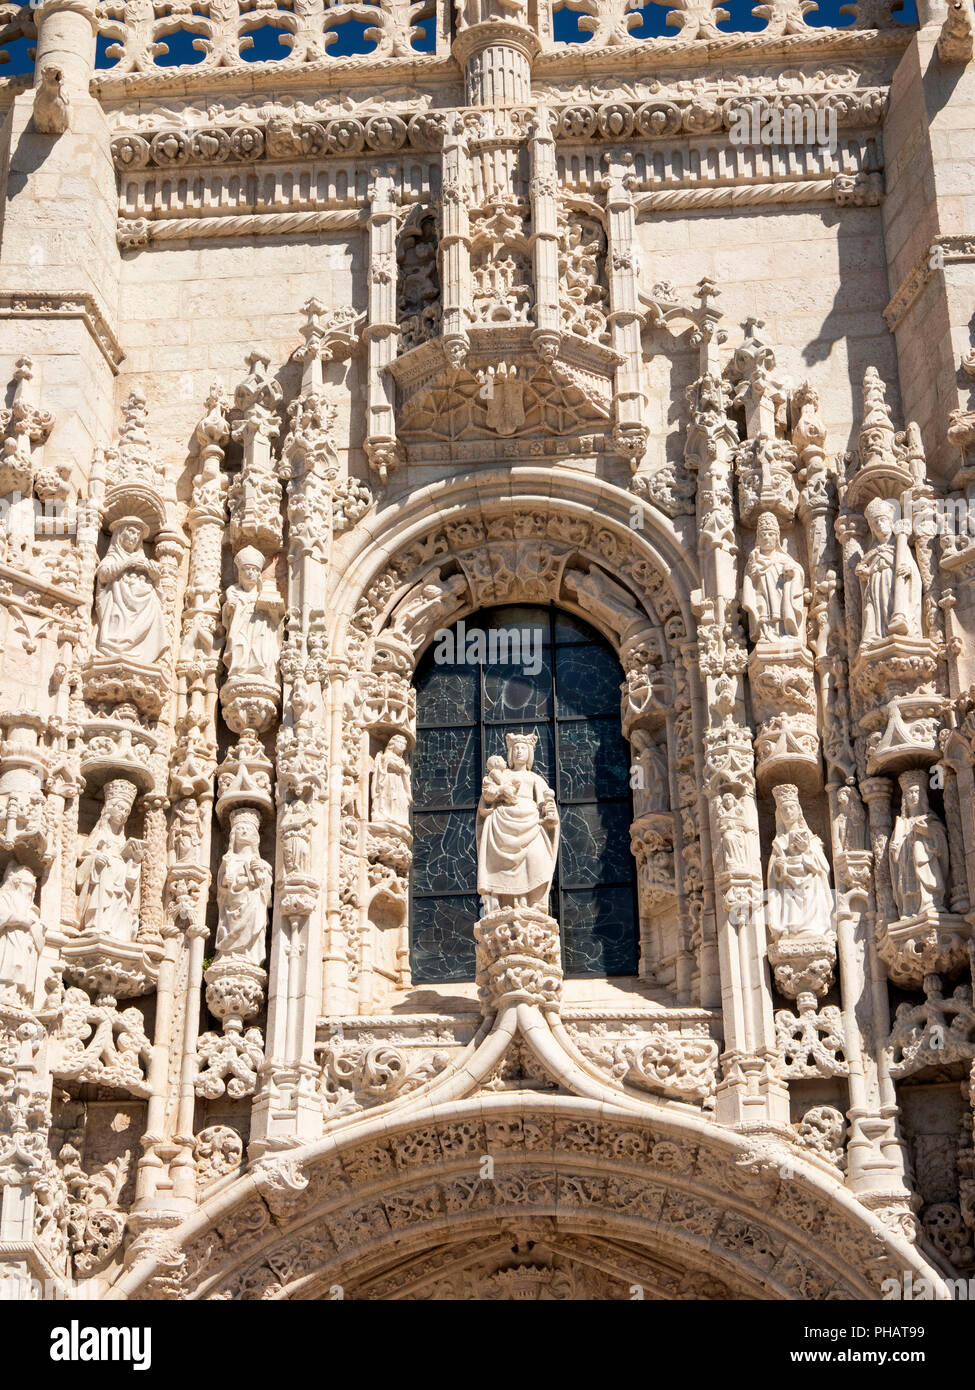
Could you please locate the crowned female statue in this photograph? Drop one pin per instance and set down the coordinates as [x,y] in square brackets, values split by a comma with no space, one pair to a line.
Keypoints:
[243,892]
[128,610]
[800,900]
[517,830]
[110,869]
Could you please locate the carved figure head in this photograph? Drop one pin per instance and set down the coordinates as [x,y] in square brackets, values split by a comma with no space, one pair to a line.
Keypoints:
[880,514]
[249,563]
[119,796]
[914,790]
[521,750]
[767,533]
[20,878]
[245,829]
[129,532]
[788,810]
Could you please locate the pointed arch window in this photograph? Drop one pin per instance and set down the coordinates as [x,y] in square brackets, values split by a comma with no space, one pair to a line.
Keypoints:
[565,688]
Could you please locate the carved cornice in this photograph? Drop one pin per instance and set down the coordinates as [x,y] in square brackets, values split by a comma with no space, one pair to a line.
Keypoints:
[953,250]
[35,304]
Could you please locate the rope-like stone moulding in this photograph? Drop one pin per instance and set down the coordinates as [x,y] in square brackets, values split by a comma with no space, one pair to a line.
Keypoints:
[678,199]
[134,232]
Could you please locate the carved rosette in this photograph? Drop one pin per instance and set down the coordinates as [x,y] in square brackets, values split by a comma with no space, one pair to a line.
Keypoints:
[518,959]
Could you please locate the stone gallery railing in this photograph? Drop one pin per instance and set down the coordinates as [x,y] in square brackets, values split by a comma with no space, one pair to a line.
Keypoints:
[146,36]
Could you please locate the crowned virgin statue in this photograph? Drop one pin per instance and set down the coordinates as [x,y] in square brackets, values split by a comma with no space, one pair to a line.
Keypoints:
[517,830]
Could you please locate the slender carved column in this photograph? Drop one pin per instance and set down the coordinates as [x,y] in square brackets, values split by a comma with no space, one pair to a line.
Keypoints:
[455,244]
[545,239]
[381,330]
[630,429]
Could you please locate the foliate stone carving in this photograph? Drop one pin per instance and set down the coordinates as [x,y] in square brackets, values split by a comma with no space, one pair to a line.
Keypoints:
[811,1043]
[102,1045]
[666,1060]
[95,1223]
[218,1151]
[229,1062]
[822,1129]
[937,1032]
[518,958]
[356,1075]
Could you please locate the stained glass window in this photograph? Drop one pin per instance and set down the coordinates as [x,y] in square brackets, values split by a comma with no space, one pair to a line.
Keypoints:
[562,681]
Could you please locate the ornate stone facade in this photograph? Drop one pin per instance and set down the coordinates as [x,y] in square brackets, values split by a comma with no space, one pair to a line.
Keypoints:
[311,359]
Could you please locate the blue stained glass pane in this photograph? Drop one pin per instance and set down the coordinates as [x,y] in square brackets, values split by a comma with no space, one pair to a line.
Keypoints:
[592,760]
[447,768]
[442,946]
[516,615]
[544,762]
[588,681]
[598,931]
[569,628]
[595,844]
[514,693]
[444,854]
[447,695]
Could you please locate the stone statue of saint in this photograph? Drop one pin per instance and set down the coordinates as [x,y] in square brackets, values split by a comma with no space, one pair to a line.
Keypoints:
[517,830]
[252,618]
[128,610]
[649,775]
[734,835]
[605,600]
[21,932]
[918,851]
[110,869]
[243,892]
[772,591]
[890,580]
[800,900]
[428,606]
[295,824]
[392,794]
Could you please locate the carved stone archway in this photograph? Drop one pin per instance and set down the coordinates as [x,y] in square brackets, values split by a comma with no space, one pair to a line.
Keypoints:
[522,1192]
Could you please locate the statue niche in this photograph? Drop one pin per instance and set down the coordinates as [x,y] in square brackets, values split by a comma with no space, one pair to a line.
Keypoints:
[130,639]
[21,933]
[418,303]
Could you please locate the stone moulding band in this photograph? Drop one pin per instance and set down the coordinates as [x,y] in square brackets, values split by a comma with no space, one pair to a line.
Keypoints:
[14,305]
[135,232]
[953,249]
[680,199]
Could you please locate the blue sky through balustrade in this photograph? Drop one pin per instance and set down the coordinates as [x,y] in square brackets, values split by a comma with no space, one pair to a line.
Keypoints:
[350,36]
